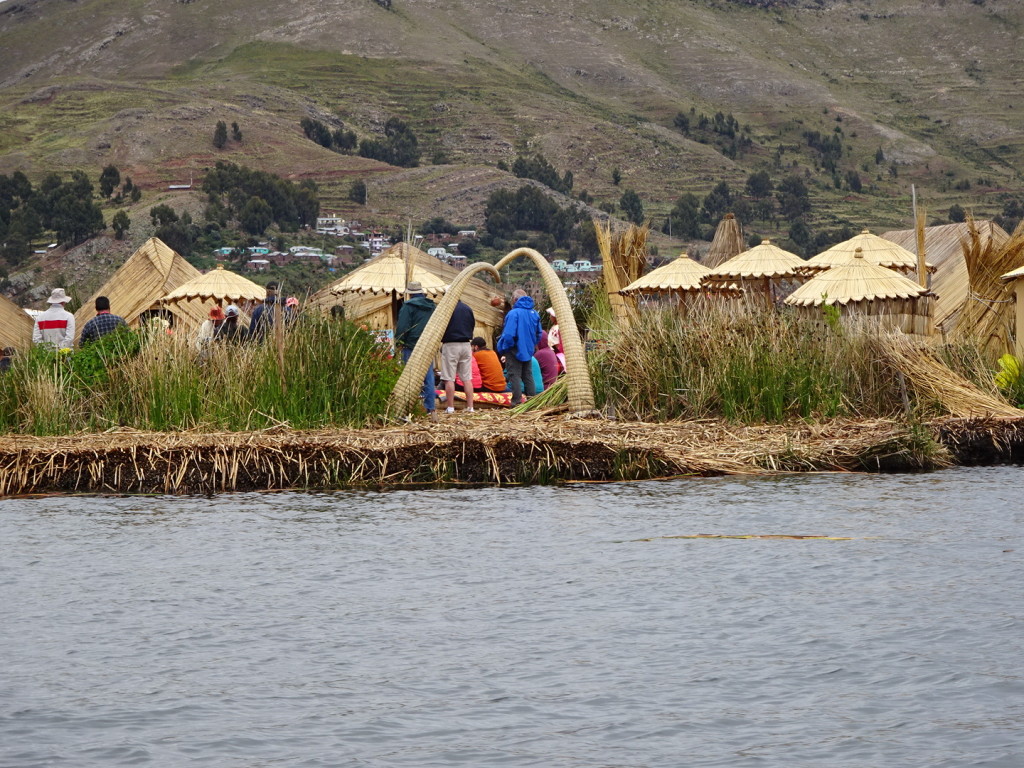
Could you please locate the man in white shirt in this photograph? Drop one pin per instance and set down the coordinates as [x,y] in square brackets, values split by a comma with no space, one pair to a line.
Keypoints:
[55,326]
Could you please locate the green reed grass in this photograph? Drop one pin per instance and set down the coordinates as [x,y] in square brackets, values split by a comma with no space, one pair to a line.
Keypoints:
[333,375]
[749,366]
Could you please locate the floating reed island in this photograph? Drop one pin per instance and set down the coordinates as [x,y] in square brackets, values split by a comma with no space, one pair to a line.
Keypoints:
[493,448]
[846,374]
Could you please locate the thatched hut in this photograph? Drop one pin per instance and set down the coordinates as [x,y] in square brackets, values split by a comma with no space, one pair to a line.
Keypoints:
[135,289]
[218,286]
[764,270]
[678,282]
[372,294]
[944,246]
[867,293]
[15,325]
[681,275]
[874,249]
[727,242]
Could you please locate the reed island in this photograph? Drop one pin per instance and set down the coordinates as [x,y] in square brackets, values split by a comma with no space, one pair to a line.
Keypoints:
[746,366]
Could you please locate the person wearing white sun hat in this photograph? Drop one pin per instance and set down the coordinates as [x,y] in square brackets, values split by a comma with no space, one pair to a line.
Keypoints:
[55,326]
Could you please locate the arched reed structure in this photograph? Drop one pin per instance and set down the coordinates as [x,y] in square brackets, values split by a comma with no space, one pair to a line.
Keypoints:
[410,382]
[581,390]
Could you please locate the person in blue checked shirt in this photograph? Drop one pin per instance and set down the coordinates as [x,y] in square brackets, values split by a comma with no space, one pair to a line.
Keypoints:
[102,324]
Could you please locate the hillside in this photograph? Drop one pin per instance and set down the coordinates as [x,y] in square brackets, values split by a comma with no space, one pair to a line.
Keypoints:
[594,86]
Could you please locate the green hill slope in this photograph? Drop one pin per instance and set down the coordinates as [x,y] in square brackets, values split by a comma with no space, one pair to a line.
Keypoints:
[593,85]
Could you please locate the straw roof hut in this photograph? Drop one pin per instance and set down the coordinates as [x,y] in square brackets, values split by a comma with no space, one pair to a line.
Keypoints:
[371,294]
[138,285]
[677,282]
[219,285]
[875,250]
[869,292]
[727,242]
[15,325]
[944,247]
[682,275]
[762,269]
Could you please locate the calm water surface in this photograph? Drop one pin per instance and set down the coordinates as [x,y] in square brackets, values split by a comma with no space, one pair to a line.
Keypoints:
[521,627]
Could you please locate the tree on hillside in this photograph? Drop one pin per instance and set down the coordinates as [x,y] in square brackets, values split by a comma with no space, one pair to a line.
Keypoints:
[794,201]
[632,207]
[682,123]
[109,179]
[316,131]
[344,141]
[162,215]
[616,176]
[759,185]
[357,192]
[292,205]
[74,216]
[957,213]
[120,224]
[684,218]
[718,202]
[539,169]
[398,147]
[438,226]
[236,132]
[220,134]
[256,216]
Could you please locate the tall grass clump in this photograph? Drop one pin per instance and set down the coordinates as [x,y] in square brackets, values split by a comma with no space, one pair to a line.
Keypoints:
[315,373]
[753,366]
[49,391]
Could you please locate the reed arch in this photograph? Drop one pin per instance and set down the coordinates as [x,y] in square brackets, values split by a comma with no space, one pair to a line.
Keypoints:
[581,390]
[410,381]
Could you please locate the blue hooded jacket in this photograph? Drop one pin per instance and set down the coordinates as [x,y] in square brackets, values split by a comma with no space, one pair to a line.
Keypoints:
[521,332]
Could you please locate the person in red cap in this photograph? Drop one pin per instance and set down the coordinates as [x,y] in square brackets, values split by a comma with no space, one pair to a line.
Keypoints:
[209,328]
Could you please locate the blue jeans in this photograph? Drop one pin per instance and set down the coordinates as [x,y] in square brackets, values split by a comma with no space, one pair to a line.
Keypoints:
[429,390]
[520,376]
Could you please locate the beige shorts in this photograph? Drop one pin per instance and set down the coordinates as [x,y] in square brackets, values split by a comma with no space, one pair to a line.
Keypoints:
[457,358]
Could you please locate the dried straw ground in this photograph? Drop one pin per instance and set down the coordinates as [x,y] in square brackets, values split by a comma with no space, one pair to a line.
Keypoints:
[491,448]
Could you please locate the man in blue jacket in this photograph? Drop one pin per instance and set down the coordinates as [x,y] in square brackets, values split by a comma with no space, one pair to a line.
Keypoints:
[517,343]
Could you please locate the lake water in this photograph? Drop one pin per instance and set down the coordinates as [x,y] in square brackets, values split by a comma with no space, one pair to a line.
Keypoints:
[549,626]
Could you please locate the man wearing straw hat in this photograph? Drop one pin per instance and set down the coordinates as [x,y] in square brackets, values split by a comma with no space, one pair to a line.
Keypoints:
[412,319]
[55,326]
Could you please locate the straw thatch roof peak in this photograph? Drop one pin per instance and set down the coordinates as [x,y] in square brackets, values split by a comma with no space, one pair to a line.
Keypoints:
[855,281]
[727,242]
[680,274]
[219,285]
[761,261]
[149,274]
[877,250]
[387,273]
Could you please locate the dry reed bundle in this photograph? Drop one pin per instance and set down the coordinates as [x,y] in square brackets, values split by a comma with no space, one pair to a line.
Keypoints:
[932,379]
[727,242]
[623,259]
[491,447]
[988,314]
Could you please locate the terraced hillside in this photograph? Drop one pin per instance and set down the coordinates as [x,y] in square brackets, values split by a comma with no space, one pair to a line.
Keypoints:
[594,85]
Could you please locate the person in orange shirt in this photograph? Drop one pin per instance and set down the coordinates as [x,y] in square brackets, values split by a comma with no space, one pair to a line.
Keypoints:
[491,376]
